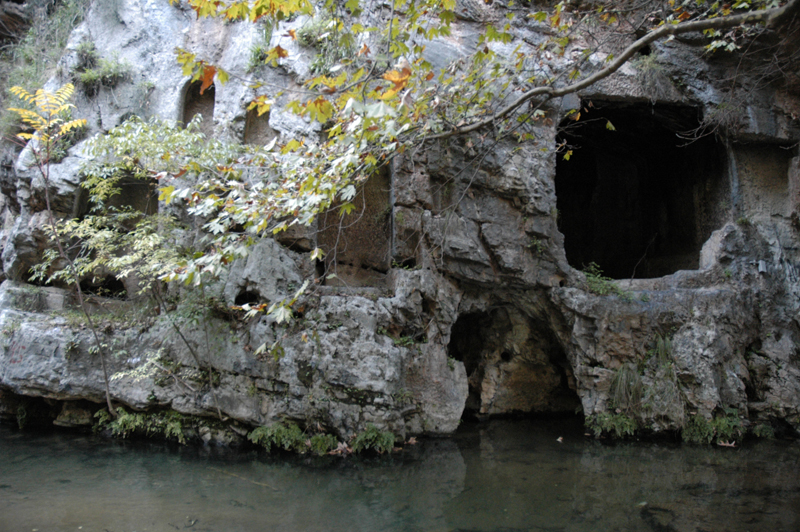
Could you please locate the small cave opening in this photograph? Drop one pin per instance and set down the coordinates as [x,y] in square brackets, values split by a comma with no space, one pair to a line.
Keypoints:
[109,287]
[638,193]
[132,194]
[195,103]
[257,130]
[514,364]
[246,297]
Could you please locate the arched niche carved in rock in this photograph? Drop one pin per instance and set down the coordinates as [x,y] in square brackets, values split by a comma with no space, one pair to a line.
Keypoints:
[195,104]
[257,130]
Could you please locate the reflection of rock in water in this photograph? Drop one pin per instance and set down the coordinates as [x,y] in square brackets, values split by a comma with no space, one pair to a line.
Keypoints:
[658,519]
[432,474]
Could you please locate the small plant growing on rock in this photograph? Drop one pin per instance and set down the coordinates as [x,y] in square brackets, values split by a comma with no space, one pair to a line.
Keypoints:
[321,444]
[616,424]
[599,284]
[626,390]
[327,36]
[372,438]
[166,424]
[284,435]
[763,430]
[93,71]
[721,429]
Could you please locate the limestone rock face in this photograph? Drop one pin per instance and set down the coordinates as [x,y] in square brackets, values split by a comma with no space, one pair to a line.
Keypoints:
[463,290]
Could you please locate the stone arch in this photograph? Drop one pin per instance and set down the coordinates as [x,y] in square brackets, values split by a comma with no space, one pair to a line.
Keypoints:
[639,196]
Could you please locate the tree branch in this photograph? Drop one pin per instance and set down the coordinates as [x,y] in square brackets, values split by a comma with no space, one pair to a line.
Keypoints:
[773,17]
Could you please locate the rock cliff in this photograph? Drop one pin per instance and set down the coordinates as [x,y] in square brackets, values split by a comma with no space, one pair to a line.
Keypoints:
[460,289]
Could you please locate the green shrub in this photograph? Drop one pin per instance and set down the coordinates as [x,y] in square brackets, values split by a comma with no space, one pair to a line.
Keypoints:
[98,72]
[601,285]
[372,438]
[697,430]
[332,43]
[323,443]
[617,424]
[762,430]
[258,53]
[722,428]
[285,435]
[167,424]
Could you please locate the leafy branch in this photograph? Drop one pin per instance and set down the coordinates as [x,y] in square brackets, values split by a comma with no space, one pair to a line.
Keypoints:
[51,123]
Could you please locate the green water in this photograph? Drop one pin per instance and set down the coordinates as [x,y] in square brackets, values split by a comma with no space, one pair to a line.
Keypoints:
[497,476]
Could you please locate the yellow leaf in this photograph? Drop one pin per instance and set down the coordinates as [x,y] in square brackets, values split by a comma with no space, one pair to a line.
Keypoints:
[262,104]
[166,194]
[276,53]
[319,109]
[399,81]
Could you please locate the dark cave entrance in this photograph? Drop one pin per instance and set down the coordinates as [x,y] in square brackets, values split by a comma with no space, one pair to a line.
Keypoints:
[639,200]
[257,130]
[109,287]
[195,104]
[514,364]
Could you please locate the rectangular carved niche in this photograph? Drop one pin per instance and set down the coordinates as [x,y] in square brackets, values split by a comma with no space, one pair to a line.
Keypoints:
[763,173]
[357,246]
[136,194]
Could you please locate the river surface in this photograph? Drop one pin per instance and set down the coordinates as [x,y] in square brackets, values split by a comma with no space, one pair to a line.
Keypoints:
[496,476]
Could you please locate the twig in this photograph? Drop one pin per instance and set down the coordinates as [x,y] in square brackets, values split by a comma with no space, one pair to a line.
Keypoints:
[172,374]
[772,17]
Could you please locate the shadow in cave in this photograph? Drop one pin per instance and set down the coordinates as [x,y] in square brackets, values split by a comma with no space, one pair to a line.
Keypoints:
[514,364]
[635,197]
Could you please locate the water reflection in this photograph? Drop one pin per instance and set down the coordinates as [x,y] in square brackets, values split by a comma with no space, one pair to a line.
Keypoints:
[499,476]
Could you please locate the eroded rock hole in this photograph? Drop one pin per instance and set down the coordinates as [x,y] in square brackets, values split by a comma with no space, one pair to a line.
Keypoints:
[514,365]
[246,297]
[199,104]
[637,195]
[106,287]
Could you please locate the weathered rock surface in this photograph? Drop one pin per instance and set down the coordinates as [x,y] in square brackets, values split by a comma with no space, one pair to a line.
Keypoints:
[485,307]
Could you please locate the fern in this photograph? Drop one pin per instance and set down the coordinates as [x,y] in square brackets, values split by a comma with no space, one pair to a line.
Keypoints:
[372,438]
[286,436]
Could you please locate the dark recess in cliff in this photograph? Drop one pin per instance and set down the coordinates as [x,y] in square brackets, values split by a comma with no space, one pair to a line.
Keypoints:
[514,364]
[199,104]
[357,246]
[257,130]
[639,200]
